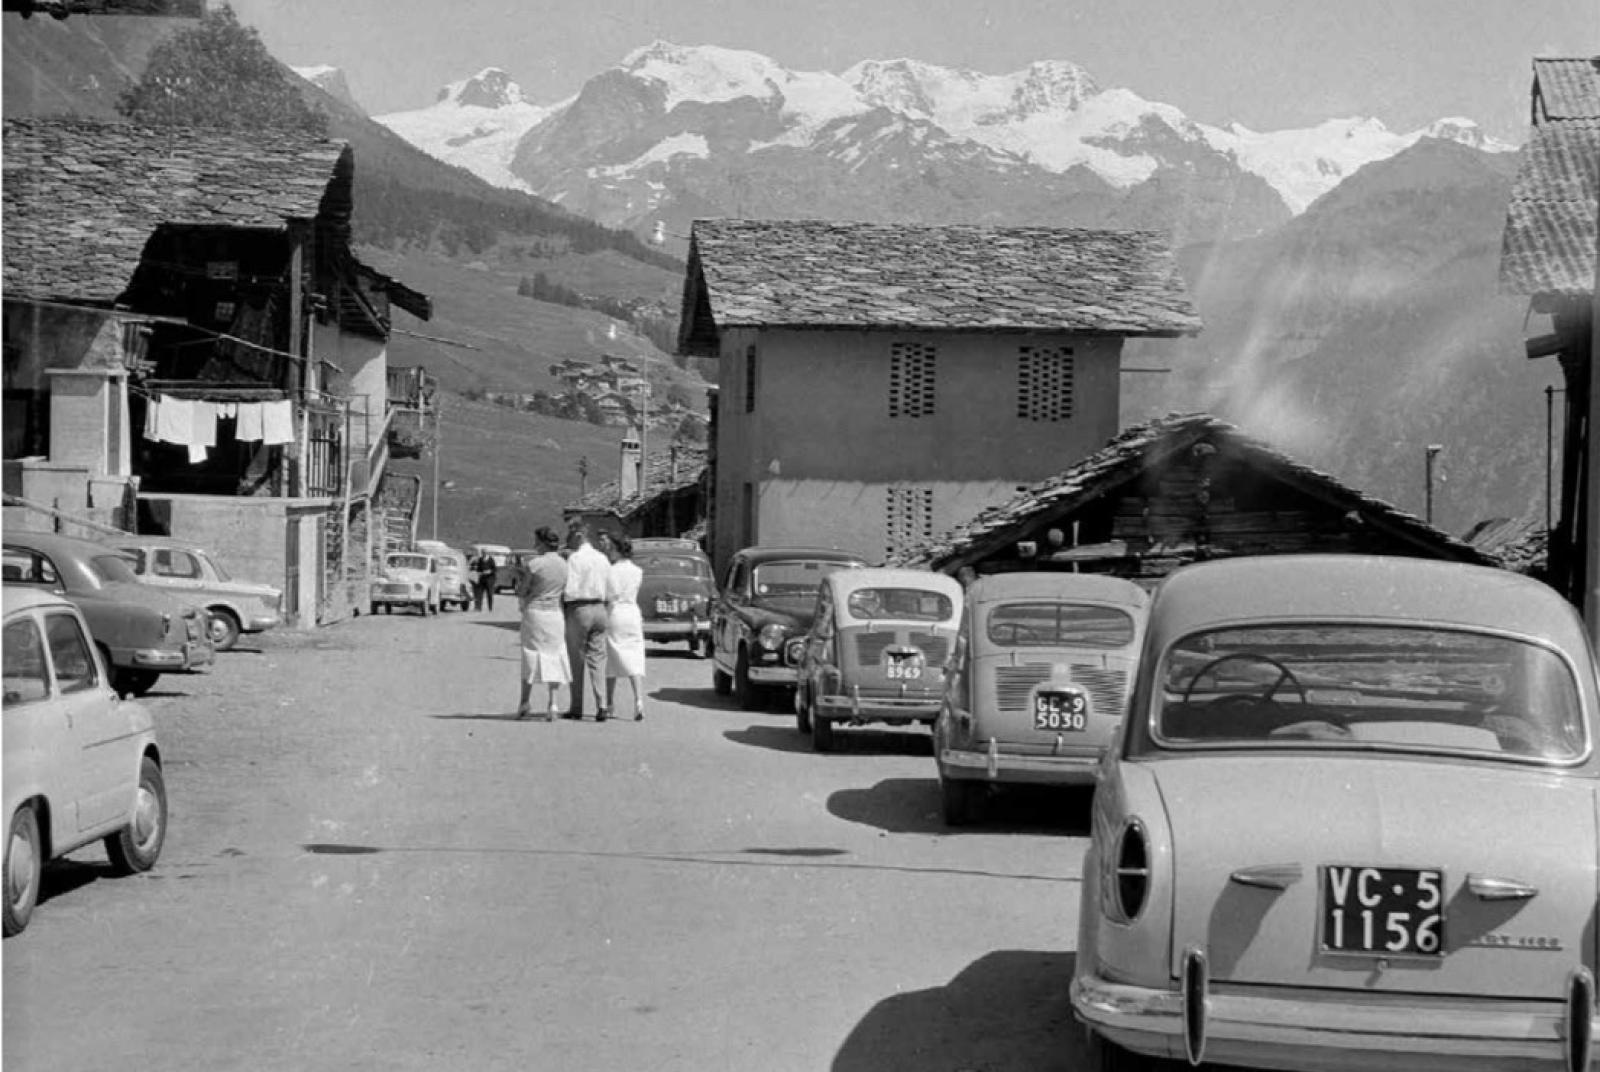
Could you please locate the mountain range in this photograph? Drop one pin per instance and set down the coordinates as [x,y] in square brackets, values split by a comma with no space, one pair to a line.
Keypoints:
[673,132]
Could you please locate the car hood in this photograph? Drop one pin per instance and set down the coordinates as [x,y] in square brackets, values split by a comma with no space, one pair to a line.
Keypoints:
[1296,815]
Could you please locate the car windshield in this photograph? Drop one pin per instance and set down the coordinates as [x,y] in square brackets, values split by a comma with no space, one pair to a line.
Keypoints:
[216,567]
[792,581]
[416,562]
[113,568]
[918,604]
[1370,687]
[1054,624]
[655,564]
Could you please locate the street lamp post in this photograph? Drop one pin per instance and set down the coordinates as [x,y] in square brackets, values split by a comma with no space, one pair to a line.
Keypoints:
[1433,451]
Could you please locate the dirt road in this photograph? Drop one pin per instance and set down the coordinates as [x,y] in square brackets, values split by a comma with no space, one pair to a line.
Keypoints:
[371,866]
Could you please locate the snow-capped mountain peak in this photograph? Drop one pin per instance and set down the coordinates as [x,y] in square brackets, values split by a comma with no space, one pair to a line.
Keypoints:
[331,81]
[489,88]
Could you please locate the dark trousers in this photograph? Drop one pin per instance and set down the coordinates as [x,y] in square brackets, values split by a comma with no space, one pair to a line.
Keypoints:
[483,594]
[586,650]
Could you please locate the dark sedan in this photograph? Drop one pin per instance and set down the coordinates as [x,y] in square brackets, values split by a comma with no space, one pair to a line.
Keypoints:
[141,631]
[760,618]
[676,592]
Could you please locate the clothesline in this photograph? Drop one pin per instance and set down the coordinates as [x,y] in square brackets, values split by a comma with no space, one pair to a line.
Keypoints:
[192,423]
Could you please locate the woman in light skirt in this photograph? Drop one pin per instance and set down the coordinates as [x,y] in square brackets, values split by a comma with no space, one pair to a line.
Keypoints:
[625,633]
[543,627]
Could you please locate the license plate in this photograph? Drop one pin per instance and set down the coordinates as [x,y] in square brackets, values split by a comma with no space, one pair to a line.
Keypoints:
[1061,709]
[1383,911]
[669,606]
[902,666]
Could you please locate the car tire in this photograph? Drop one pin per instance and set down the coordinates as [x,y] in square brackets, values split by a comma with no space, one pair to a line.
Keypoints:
[225,629]
[372,609]
[744,690]
[135,847]
[822,735]
[803,713]
[721,683]
[24,869]
[960,800]
[128,681]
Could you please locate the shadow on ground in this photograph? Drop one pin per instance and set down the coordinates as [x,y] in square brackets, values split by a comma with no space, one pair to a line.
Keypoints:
[1007,1011]
[913,806]
[64,876]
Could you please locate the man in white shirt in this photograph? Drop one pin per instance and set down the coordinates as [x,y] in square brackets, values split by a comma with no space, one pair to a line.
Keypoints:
[584,603]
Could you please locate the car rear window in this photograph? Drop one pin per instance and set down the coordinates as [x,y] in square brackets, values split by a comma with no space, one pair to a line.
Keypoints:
[919,604]
[1050,624]
[1371,687]
[114,568]
[662,565]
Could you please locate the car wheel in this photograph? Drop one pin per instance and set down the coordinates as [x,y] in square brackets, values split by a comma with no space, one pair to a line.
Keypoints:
[224,629]
[744,690]
[24,866]
[135,847]
[131,682]
[372,609]
[721,683]
[803,713]
[960,799]
[822,735]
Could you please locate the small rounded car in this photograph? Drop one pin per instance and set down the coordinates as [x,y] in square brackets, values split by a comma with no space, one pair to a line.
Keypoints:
[409,579]
[1349,823]
[141,631]
[761,615]
[675,592]
[1037,684]
[876,651]
[188,569]
[455,579]
[80,763]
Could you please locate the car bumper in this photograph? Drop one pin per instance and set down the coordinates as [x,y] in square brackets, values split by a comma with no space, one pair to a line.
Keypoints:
[1322,1031]
[402,600]
[259,623]
[191,657]
[864,708]
[995,765]
[675,630]
[772,675]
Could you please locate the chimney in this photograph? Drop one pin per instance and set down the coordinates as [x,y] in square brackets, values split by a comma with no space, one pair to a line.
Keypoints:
[628,482]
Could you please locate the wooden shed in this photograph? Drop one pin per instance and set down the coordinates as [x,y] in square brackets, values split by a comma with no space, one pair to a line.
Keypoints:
[1177,490]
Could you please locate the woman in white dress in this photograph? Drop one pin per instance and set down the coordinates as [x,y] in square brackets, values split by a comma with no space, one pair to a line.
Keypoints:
[543,627]
[625,633]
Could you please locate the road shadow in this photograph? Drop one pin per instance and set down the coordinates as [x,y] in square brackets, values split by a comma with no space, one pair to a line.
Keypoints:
[509,715]
[774,738]
[1007,1011]
[511,626]
[882,741]
[63,876]
[683,654]
[913,806]
[693,697]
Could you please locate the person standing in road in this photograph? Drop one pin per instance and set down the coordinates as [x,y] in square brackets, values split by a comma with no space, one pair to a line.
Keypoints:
[483,571]
[584,602]
[624,626]
[540,584]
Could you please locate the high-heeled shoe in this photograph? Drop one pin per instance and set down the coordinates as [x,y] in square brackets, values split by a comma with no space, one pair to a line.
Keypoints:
[638,714]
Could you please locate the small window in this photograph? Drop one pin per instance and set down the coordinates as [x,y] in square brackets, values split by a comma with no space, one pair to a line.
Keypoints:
[912,368]
[1073,625]
[750,379]
[180,564]
[908,517]
[69,651]
[26,677]
[136,555]
[1044,383]
[28,567]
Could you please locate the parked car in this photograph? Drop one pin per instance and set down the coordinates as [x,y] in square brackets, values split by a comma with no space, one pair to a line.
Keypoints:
[1350,822]
[455,580]
[408,579]
[675,592]
[761,615]
[141,631]
[236,606]
[1037,684]
[876,651]
[80,763]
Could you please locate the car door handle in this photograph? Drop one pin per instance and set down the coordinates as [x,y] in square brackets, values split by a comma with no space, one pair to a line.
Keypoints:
[1268,876]
[1491,888]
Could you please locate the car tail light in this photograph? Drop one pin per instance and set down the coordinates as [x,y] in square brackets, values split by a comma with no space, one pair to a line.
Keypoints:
[1131,879]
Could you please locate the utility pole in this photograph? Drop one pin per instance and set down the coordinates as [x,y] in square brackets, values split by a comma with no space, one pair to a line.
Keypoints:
[1432,452]
[438,441]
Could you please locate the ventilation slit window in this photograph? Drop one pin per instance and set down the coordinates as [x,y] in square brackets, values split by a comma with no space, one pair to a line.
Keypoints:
[1044,383]
[912,366]
[750,379]
[908,517]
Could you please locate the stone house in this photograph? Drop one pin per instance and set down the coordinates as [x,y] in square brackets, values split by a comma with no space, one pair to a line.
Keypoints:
[192,348]
[880,383]
[1178,490]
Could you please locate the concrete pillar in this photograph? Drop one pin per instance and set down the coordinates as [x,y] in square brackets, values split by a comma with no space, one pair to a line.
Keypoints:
[83,430]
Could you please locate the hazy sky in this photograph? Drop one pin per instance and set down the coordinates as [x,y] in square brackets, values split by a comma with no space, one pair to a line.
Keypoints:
[1269,64]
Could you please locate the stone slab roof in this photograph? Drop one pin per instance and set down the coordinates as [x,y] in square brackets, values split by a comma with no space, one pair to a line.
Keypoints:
[1567,88]
[868,276]
[658,479]
[1129,455]
[81,198]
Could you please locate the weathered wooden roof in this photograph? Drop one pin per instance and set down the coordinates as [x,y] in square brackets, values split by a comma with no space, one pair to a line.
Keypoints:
[658,479]
[1548,248]
[871,276]
[1124,459]
[81,198]
[1567,88]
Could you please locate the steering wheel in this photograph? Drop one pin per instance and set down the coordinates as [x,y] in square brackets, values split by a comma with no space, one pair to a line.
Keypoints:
[1245,698]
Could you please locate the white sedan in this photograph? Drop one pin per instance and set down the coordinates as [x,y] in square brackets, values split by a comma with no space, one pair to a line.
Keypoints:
[80,763]
[1350,823]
